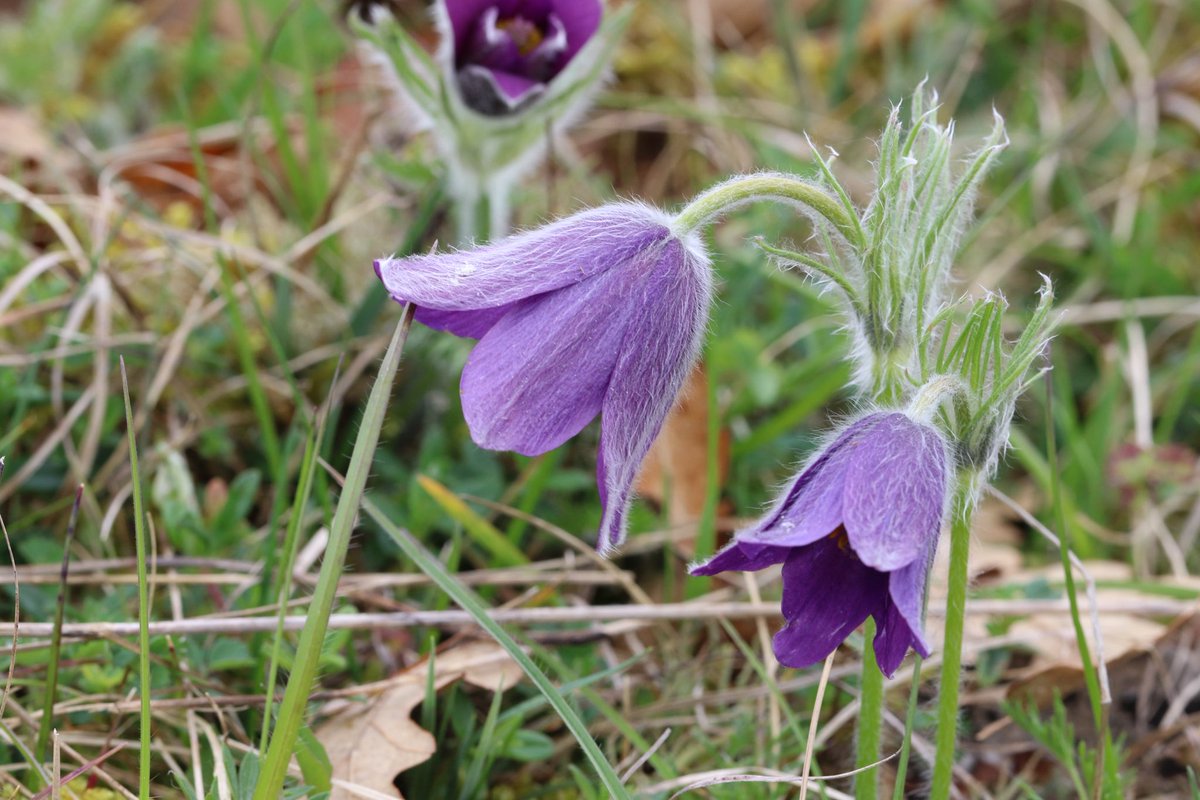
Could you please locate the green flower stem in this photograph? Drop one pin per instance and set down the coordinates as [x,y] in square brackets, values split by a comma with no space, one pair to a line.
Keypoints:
[472,217]
[963,507]
[870,719]
[890,377]
[483,213]
[769,186]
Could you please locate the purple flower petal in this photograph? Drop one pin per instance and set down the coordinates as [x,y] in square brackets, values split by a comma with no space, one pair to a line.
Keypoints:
[568,251]
[812,505]
[508,87]
[901,627]
[464,15]
[580,20]
[742,557]
[895,485]
[827,593]
[659,348]
[539,375]
[471,324]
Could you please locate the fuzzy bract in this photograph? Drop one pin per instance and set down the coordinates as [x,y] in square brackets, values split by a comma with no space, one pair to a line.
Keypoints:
[600,313]
[507,51]
[856,533]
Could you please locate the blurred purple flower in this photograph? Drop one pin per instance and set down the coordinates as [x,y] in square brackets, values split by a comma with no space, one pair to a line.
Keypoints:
[856,533]
[506,51]
[601,313]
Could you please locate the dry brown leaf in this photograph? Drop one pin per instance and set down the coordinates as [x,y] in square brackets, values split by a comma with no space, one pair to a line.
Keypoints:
[1052,636]
[21,137]
[749,17]
[161,165]
[676,468]
[177,19]
[370,746]
[481,663]
[27,151]
[370,743]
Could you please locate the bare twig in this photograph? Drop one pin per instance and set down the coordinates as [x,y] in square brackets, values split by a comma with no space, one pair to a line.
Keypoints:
[663,612]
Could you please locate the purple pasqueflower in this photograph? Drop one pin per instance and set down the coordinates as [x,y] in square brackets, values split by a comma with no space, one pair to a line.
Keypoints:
[856,533]
[601,313]
[506,51]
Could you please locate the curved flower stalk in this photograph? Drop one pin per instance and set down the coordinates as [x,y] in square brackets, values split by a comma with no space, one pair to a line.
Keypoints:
[601,313]
[508,74]
[856,533]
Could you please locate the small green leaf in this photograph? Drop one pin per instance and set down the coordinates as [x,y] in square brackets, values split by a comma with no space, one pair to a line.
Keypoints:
[314,761]
[229,654]
[526,746]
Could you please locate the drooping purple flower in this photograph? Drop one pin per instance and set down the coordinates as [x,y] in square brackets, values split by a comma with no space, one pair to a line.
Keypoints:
[856,533]
[506,51]
[600,313]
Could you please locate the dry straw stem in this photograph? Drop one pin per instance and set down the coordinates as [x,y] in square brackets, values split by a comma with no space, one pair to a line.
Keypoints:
[12,658]
[1145,102]
[1019,248]
[360,582]
[662,612]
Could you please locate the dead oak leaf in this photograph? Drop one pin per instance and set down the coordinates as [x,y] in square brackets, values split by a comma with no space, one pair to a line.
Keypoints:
[370,743]
[370,746]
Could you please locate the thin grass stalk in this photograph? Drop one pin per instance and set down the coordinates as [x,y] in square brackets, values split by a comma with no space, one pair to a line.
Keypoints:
[290,547]
[706,527]
[16,625]
[760,669]
[909,720]
[26,754]
[470,602]
[280,478]
[1060,514]
[870,719]
[811,740]
[956,602]
[47,722]
[1090,674]
[606,709]
[308,652]
[241,337]
[34,764]
[139,535]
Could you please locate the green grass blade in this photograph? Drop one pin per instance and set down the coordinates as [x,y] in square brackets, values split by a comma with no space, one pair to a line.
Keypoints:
[483,532]
[308,651]
[290,547]
[139,534]
[473,604]
[909,719]
[1091,678]
[47,723]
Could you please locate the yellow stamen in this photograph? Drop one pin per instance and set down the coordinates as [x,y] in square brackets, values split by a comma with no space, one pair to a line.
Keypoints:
[523,33]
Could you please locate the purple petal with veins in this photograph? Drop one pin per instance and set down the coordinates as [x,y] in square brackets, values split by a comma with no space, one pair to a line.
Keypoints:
[857,530]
